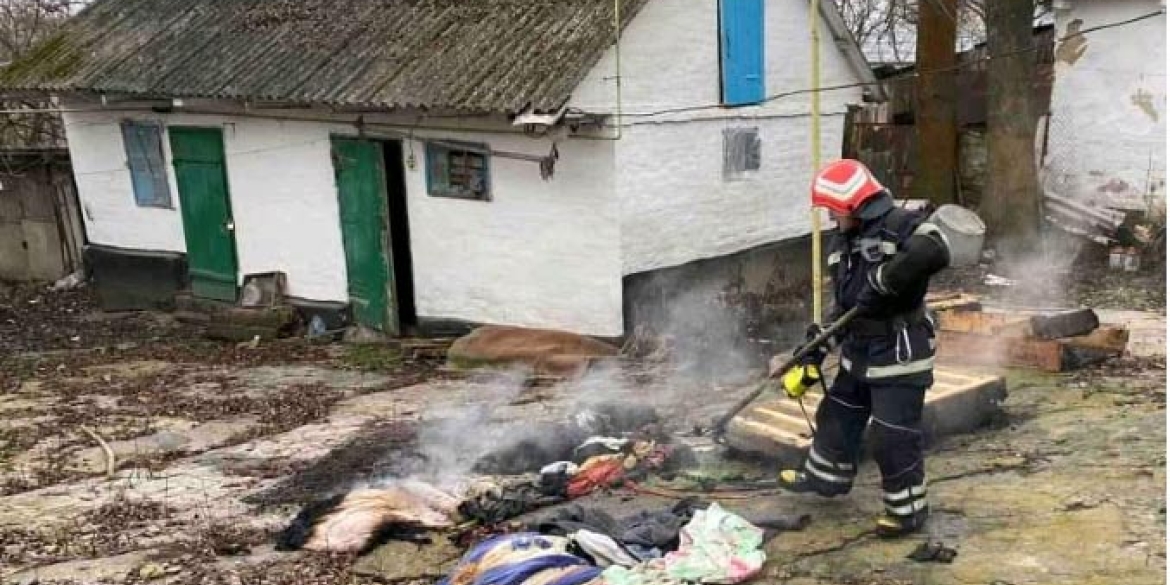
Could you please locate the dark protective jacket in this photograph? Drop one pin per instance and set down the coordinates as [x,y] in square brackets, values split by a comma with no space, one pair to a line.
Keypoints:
[894,252]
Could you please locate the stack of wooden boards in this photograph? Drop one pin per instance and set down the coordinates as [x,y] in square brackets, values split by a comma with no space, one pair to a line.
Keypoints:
[970,334]
[975,342]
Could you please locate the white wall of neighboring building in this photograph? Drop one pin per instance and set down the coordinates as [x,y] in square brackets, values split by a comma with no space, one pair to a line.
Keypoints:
[541,253]
[1107,137]
[676,204]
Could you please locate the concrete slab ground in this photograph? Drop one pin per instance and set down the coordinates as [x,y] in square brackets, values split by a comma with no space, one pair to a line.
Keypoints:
[1067,485]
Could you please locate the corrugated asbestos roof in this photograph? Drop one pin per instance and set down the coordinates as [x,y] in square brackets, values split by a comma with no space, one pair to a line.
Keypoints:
[478,55]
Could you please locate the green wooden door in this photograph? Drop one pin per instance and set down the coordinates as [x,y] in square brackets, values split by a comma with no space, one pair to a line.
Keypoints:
[207,214]
[361,193]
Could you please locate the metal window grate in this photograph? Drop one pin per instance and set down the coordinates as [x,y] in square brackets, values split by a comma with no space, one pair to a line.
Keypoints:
[462,174]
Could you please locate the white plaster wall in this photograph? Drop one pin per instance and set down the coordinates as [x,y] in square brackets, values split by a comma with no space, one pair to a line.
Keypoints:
[677,207]
[1104,147]
[676,204]
[541,253]
[104,190]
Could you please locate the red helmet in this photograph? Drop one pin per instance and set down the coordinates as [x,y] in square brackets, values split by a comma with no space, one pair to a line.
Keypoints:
[843,186]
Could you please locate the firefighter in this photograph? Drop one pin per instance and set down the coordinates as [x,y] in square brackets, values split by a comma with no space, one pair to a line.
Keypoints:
[881,261]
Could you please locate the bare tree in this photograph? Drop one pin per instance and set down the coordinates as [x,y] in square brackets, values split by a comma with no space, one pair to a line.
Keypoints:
[890,25]
[936,132]
[24,24]
[1011,204]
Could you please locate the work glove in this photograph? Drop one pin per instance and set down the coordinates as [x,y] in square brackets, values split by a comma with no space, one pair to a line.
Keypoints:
[817,356]
[799,379]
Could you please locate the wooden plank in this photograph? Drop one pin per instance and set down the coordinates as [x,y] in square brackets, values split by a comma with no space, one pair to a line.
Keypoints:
[1065,324]
[937,297]
[962,302]
[999,324]
[958,402]
[982,350]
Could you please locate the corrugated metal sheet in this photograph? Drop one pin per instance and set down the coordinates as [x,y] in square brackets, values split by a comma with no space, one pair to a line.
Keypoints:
[477,55]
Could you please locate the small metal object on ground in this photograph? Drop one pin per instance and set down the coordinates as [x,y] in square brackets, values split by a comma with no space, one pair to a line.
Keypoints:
[933,552]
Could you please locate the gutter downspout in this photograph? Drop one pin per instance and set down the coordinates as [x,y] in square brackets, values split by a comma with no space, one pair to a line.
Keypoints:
[617,54]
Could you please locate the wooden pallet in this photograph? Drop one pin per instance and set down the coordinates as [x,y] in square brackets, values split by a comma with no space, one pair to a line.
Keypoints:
[959,402]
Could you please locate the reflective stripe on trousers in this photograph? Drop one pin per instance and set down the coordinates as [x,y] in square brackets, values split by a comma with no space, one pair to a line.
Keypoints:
[892,371]
[907,501]
[822,468]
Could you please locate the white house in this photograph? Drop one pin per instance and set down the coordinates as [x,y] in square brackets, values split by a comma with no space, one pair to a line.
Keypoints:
[1106,141]
[440,161]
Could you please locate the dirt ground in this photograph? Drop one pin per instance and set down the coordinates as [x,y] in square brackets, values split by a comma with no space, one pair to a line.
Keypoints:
[215,446]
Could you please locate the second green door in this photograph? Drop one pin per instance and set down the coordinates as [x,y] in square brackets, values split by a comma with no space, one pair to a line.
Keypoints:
[361,191]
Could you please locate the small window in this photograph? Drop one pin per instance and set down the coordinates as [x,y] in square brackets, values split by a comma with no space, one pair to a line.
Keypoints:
[458,170]
[148,173]
[741,151]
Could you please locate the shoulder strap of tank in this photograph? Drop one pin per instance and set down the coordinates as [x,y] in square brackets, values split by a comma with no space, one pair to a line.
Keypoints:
[903,222]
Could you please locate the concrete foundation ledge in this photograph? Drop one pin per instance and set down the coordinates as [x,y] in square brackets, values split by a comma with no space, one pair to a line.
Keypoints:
[133,280]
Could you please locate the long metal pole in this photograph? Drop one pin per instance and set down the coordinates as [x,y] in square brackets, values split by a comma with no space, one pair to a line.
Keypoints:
[815,117]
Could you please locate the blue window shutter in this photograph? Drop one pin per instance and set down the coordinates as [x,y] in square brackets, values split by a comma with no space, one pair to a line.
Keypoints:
[741,36]
[148,174]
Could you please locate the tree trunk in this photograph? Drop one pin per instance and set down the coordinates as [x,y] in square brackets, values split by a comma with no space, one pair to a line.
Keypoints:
[934,109]
[1011,202]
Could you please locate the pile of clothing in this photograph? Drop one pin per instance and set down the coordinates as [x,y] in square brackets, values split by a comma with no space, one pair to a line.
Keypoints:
[522,558]
[596,448]
[545,442]
[690,543]
[597,463]
[640,537]
[601,462]
[358,520]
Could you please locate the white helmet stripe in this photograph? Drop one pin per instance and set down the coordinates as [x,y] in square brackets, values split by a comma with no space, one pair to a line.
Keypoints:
[842,191]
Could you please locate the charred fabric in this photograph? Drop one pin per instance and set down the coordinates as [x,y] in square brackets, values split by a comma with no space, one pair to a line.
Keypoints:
[594,449]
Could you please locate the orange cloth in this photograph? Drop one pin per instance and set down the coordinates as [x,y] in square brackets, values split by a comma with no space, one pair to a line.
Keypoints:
[596,474]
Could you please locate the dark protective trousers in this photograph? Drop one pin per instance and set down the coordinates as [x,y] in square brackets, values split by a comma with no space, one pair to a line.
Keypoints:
[896,408]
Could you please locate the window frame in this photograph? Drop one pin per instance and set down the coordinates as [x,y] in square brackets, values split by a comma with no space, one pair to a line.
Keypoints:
[159,180]
[747,133]
[445,148]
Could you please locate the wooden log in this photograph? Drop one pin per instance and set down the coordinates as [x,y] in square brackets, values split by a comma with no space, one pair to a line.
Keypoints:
[984,350]
[1095,347]
[1049,355]
[1065,324]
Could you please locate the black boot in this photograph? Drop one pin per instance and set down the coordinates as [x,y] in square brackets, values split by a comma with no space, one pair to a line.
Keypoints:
[803,482]
[893,526]
[906,511]
[821,475]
